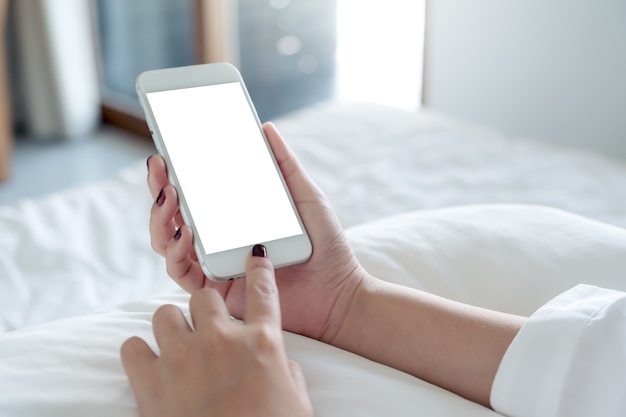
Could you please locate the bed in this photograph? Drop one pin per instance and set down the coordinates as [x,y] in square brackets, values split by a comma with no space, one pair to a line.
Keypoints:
[462,211]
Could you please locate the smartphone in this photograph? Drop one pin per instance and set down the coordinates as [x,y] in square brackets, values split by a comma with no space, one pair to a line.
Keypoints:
[230,189]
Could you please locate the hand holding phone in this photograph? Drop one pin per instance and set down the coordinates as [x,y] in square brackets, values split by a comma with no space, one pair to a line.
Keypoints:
[314,296]
[231,192]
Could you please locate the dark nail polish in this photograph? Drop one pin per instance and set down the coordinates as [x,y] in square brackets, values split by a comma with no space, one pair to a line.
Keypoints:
[260,251]
[178,233]
[160,198]
[148,164]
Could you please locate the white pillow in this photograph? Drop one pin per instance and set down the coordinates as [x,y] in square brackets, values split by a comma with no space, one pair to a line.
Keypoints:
[512,258]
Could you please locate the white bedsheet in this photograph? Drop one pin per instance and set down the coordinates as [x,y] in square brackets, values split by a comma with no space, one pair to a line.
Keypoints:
[530,254]
[87,249]
[374,161]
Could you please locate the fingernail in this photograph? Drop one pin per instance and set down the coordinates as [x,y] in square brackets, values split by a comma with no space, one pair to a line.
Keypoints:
[160,198]
[260,251]
[148,164]
[178,233]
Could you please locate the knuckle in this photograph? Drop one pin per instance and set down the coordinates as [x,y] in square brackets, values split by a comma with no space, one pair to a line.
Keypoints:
[264,284]
[156,230]
[265,288]
[175,263]
[177,270]
[294,366]
[220,336]
[267,339]
[157,219]
[205,293]
[202,298]
[156,247]
[171,271]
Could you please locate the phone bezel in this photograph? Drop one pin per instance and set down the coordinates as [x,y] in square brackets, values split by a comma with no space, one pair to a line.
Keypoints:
[229,264]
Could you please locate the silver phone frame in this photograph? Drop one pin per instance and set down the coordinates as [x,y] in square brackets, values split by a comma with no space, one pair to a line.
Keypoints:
[230,264]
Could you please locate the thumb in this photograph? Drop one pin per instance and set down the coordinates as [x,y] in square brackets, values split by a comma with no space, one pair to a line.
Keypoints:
[300,185]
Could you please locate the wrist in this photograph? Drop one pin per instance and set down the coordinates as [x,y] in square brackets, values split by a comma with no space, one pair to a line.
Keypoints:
[350,297]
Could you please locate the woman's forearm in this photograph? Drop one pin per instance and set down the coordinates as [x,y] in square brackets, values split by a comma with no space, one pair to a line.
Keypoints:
[453,345]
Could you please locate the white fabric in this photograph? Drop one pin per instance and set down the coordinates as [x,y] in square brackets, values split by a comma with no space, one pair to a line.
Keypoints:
[77,251]
[71,367]
[516,255]
[502,257]
[87,249]
[375,161]
[569,359]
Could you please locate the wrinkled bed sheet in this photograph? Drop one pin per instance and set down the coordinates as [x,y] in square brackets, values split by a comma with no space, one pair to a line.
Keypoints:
[375,161]
[505,257]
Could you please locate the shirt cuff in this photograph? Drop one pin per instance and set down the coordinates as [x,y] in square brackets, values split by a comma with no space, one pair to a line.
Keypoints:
[569,359]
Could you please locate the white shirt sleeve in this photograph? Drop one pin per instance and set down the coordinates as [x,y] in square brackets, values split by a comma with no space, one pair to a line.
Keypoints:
[568,360]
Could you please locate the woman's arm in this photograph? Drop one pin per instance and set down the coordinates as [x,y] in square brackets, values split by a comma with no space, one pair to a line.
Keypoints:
[453,345]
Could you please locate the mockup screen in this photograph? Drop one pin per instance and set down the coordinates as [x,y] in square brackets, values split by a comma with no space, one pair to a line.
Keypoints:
[224,169]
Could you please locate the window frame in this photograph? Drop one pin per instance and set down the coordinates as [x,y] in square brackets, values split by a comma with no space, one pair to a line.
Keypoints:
[215,38]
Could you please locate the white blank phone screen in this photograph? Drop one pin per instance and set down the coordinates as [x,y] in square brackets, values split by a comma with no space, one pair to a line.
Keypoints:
[224,169]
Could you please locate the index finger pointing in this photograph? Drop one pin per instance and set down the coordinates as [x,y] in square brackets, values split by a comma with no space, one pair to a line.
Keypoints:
[262,303]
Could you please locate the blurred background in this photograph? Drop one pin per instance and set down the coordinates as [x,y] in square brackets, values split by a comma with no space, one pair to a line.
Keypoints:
[550,71]
[72,67]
